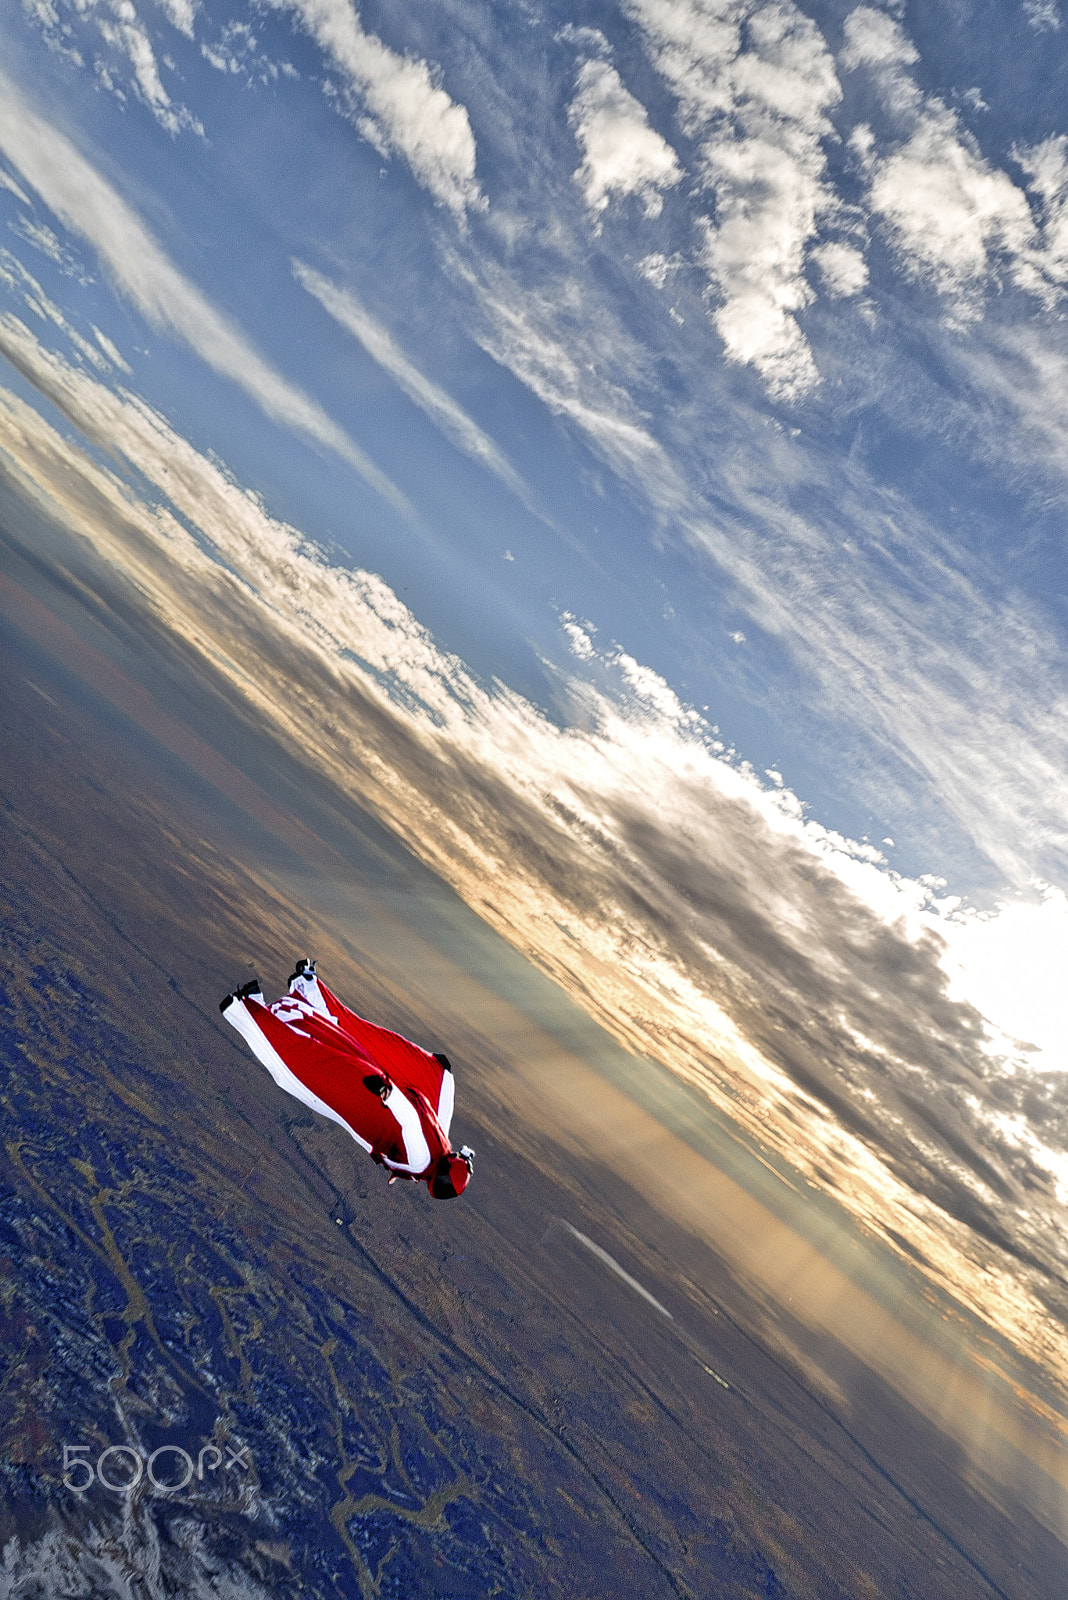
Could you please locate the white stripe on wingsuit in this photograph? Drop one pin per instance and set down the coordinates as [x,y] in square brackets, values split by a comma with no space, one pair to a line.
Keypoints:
[415,1145]
[445,1101]
[241,1018]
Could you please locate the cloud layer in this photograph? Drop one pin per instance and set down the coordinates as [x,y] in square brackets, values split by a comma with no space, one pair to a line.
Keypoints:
[893,627]
[654,234]
[777,967]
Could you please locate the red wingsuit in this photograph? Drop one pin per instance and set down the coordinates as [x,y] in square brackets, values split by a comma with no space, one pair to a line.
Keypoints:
[395,1099]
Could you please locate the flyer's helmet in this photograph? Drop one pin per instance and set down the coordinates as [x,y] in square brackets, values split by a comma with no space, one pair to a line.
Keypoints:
[452,1174]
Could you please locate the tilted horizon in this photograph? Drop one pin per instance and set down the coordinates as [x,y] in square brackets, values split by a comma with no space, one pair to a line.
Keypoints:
[623,454]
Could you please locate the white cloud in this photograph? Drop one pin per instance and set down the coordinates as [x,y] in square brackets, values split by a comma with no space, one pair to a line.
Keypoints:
[756,85]
[41,237]
[113,353]
[441,408]
[119,26]
[128,35]
[398,104]
[1019,377]
[1046,165]
[877,40]
[180,13]
[1043,15]
[579,636]
[15,277]
[949,213]
[558,342]
[589,41]
[7,182]
[842,268]
[236,50]
[1012,963]
[657,268]
[955,219]
[84,202]
[622,154]
[694,44]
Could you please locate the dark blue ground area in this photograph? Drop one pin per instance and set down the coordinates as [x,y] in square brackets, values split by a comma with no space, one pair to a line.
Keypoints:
[165,1303]
[151,1312]
[143,1320]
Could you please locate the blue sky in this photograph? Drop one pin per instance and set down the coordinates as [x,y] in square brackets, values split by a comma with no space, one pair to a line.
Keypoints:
[685,386]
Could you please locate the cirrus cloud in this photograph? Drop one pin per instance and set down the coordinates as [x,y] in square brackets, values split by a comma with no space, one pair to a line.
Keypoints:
[441,408]
[85,202]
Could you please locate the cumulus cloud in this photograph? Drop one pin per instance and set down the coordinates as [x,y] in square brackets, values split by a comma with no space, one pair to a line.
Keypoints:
[622,154]
[756,85]
[842,267]
[876,39]
[955,220]
[657,268]
[440,407]
[947,211]
[780,969]
[396,102]
[236,51]
[86,203]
